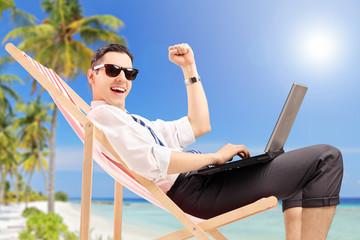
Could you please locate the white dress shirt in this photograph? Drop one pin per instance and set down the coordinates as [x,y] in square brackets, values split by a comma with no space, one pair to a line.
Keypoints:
[135,144]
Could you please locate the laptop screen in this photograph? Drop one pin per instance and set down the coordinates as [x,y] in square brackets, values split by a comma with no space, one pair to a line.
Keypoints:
[286,118]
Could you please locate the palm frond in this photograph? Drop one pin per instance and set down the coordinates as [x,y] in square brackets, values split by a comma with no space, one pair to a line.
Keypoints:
[82,57]
[22,18]
[98,21]
[9,90]
[33,44]
[8,78]
[92,35]
[6,4]
[41,31]
[5,59]
[47,6]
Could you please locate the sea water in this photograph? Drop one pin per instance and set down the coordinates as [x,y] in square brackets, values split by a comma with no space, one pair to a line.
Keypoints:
[266,225]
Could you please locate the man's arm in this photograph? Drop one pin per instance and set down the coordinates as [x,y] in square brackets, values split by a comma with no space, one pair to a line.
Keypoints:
[198,111]
[181,162]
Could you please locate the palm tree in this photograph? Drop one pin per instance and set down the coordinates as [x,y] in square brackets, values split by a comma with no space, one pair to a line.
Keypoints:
[19,185]
[8,159]
[6,90]
[33,136]
[59,42]
[8,144]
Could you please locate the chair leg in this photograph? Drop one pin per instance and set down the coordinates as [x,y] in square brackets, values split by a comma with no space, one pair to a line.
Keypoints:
[86,182]
[118,210]
[226,218]
[217,235]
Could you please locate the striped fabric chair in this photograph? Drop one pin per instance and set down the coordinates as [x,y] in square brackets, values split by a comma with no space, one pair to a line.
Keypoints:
[97,147]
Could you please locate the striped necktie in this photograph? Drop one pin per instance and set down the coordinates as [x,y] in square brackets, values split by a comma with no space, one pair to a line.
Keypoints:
[157,140]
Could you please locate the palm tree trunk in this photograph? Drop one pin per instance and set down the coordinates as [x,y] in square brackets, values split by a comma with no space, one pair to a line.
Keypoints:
[51,191]
[27,189]
[42,166]
[2,187]
[18,187]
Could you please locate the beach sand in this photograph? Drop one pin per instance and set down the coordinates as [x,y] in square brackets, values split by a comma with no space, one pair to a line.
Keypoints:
[11,222]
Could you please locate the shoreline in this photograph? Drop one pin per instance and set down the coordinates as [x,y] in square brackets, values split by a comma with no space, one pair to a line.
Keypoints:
[145,221]
[12,223]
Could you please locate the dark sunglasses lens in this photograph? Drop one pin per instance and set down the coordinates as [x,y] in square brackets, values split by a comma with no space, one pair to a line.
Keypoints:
[130,73]
[112,70]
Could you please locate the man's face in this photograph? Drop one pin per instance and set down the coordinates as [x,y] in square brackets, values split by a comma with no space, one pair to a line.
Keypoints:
[113,90]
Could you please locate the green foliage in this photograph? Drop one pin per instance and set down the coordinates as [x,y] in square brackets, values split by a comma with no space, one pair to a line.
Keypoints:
[18,16]
[6,4]
[59,41]
[30,211]
[34,196]
[45,226]
[14,196]
[6,90]
[61,196]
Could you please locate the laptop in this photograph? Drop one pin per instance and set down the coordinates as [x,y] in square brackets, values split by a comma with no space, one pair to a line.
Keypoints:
[277,140]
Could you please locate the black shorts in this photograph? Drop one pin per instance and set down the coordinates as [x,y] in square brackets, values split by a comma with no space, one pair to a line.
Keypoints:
[307,177]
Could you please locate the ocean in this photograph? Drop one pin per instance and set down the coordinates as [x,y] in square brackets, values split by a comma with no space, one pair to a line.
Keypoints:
[266,225]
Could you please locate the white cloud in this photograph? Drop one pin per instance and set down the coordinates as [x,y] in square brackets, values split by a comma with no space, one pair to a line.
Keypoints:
[71,159]
[349,150]
[342,149]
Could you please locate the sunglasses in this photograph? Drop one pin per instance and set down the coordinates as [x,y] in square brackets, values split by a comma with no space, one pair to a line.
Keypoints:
[112,70]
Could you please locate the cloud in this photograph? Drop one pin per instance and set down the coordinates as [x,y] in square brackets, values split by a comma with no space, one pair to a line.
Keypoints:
[71,159]
[349,149]
[342,149]
[358,181]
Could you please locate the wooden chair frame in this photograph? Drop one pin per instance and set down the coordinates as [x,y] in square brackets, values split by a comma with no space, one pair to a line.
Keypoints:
[92,133]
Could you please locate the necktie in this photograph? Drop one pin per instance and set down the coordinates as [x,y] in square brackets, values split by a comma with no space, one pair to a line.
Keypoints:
[157,140]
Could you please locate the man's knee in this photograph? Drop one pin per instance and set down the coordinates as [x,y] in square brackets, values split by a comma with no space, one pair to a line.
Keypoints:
[334,164]
[334,155]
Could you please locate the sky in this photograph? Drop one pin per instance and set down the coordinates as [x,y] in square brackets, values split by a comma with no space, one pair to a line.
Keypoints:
[248,54]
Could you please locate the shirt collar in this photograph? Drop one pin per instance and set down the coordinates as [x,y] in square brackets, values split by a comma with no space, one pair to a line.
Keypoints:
[98,103]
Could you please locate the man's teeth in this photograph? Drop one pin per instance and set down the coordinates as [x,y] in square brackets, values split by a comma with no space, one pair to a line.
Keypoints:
[118,89]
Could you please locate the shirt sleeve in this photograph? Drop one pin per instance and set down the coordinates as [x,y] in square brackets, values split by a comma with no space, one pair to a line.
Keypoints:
[177,134]
[145,158]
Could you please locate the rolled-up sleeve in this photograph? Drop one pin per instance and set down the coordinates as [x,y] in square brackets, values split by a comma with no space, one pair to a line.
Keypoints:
[140,154]
[177,134]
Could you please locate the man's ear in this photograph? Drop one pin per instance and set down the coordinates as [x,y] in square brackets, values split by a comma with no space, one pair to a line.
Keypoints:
[91,76]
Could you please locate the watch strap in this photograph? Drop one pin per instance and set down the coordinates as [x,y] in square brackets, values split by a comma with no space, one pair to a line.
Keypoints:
[192,80]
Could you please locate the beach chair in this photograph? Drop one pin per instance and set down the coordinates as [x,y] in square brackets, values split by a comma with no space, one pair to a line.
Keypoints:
[97,147]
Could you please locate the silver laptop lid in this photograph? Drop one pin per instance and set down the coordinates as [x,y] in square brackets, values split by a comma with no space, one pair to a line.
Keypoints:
[286,118]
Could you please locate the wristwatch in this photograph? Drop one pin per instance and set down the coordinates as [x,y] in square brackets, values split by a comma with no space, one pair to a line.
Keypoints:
[192,80]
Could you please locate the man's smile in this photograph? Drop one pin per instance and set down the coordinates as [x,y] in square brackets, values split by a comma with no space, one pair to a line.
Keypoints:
[118,90]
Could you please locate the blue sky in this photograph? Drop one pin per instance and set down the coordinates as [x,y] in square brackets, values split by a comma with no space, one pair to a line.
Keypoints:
[248,54]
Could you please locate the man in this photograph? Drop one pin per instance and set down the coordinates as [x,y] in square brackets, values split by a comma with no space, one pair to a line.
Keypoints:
[308,180]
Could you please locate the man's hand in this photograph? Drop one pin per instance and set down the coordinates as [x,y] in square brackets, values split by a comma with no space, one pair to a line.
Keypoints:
[184,162]
[182,55]
[227,152]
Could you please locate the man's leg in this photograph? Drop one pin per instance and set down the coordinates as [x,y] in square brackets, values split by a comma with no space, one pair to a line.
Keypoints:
[292,220]
[308,223]
[316,222]
[308,177]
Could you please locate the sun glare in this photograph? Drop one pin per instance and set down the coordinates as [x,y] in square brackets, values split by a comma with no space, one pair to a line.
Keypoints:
[318,48]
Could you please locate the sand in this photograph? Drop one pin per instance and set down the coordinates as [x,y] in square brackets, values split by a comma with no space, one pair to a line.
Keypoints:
[11,222]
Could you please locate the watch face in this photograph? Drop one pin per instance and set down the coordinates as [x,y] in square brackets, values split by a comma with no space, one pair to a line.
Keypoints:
[192,80]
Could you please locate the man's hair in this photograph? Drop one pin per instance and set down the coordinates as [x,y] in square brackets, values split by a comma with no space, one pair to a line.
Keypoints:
[113,47]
